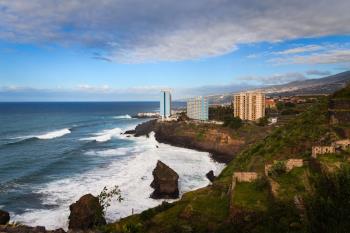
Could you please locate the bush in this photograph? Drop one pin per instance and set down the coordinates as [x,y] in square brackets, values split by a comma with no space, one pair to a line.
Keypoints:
[328,207]
[263,121]
[277,169]
[233,122]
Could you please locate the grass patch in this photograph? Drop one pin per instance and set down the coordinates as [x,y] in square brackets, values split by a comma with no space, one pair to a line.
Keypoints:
[250,197]
[291,183]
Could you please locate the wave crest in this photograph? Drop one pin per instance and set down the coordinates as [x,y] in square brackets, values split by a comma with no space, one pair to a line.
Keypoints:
[54,134]
[127,116]
[105,135]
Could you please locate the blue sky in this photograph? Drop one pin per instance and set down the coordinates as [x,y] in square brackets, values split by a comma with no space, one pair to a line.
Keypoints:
[84,50]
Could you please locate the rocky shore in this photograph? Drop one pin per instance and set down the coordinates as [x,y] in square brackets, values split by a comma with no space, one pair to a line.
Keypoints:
[213,139]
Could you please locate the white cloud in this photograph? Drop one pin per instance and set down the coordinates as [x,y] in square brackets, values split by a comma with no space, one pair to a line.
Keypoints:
[318,72]
[275,79]
[327,57]
[302,49]
[144,31]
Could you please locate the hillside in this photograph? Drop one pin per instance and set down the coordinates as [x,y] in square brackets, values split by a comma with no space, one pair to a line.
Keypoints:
[284,199]
[326,85]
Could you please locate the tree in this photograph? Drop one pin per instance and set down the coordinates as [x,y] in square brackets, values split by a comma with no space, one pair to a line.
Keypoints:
[328,207]
[263,121]
[232,122]
[106,196]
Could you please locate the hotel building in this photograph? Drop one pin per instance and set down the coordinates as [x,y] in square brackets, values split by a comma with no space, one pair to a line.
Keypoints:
[198,108]
[249,105]
[165,104]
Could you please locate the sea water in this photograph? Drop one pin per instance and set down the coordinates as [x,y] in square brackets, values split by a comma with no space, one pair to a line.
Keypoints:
[53,153]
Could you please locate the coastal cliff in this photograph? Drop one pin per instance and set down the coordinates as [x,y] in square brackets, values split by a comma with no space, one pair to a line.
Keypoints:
[223,143]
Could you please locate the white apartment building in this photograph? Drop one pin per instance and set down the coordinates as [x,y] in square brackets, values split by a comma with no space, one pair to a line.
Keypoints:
[198,108]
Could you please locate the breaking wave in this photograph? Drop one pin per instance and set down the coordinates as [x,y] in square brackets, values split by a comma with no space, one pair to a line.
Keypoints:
[132,173]
[105,135]
[127,116]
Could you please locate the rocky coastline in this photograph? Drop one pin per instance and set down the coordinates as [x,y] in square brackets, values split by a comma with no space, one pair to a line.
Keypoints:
[83,213]
[213,139]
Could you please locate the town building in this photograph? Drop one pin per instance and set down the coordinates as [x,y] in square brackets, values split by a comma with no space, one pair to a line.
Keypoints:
[270,103]
[249,105]
[198,108]
[165,104]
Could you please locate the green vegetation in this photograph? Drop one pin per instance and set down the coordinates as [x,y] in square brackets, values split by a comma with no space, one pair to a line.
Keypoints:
[106,196]
[261,206]
[288,187]
[219,113]
[278,168]
[232,122]
[251,196]
[263,121]
[328,206]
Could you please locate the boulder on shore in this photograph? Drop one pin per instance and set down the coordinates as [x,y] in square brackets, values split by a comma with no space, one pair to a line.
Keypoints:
[165,182]
[86,213]
[210,175]
[4,217]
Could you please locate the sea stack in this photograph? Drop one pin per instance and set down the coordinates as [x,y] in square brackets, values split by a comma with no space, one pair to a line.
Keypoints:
[165,182]
[86,213]
[4,217]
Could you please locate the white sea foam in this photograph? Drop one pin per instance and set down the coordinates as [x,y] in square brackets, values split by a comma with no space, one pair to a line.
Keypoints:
[48,135]
[123,117]
[54,134]
[105,135]
[132,173]
[110,152]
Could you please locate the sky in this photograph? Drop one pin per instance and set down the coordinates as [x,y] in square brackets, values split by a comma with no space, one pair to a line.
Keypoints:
[128,50]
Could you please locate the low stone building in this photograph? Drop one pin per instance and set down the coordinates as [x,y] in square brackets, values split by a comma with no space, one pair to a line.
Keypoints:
[320,150]
[245,176]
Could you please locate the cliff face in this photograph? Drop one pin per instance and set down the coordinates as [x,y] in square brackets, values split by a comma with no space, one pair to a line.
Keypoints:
[219,143]
[217,140]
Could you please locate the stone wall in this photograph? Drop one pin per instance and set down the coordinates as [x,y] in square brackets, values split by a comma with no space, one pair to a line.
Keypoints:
[339,111]
[320,150]
[292,163]
[343,144]
[245,176]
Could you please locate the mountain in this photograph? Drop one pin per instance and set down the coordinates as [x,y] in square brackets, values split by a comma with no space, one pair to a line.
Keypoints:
[326,85]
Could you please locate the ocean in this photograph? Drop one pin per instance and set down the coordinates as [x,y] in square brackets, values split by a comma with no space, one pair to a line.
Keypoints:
[53,153]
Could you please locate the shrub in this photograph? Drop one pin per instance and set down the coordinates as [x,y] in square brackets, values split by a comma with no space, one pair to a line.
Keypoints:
[328,207]
[106,196]
[233,122]
[277,169]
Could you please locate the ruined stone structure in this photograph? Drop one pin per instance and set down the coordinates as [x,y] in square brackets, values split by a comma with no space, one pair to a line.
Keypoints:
[292,163]
[342,144]
[320,150]
[245,176]
[339,111]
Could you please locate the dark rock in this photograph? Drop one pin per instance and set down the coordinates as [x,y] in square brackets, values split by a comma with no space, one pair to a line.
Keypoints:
[165,182]
[4,217]
[145,128]
[86,213]
[210,176]
[130,131]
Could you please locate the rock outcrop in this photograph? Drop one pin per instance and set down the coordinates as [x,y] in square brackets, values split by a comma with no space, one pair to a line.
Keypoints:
[86,213]
[210,175]
[26,229]
[4,217]
[165,182]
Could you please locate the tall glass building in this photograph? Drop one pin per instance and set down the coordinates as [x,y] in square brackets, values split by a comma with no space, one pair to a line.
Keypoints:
[197,108]
[165,104]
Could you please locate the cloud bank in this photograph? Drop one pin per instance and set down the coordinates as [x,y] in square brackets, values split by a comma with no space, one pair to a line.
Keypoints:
[136,31]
